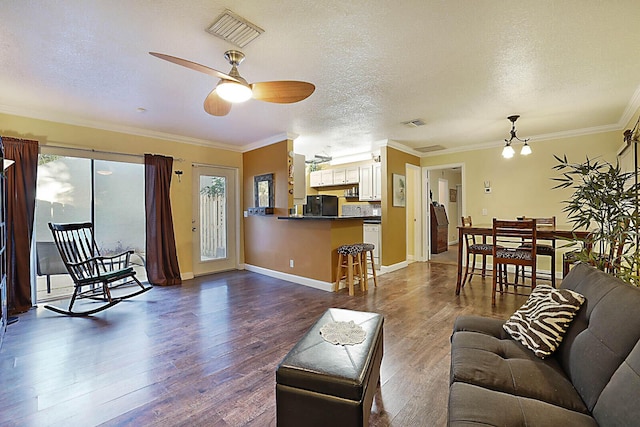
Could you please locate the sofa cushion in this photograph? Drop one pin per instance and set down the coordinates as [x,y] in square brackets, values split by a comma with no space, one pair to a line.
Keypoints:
[506,366]
[603,333]
[543,319]
[471,405]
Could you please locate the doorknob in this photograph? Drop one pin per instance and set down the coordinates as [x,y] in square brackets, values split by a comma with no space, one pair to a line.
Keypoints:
[193,229]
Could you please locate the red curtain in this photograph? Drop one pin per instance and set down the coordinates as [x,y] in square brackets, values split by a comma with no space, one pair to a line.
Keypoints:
[162,259]
[21,203]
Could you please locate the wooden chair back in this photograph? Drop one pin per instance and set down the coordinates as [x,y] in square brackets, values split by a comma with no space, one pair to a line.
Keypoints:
[515,242]
[470,239]
[76,245]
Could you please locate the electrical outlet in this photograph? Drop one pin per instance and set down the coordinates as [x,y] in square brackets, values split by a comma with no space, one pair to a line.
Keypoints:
[291,263]
[246,214]
[484,211]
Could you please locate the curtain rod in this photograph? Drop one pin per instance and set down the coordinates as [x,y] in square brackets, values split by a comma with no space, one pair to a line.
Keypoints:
[91,150]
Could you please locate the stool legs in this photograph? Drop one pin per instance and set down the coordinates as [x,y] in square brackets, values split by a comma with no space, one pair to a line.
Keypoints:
[350,262]
[336,285]
[365,260]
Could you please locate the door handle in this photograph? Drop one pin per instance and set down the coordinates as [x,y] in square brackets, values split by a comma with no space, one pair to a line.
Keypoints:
[193,229]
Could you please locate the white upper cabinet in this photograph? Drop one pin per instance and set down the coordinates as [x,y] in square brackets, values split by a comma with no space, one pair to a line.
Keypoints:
[371,183]
[352,175]
[327,177]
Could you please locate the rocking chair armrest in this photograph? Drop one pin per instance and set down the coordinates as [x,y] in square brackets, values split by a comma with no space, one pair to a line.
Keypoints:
[81,263]
[120,255]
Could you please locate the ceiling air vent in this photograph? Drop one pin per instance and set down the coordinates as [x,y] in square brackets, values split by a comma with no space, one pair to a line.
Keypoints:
[430,148]
[234,29]
[414,123]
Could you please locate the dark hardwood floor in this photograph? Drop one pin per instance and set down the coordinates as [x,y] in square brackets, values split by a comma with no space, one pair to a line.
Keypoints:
[205,353]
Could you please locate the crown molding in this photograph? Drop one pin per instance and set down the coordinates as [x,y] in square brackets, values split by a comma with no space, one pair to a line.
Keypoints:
[129,130]
[268,141]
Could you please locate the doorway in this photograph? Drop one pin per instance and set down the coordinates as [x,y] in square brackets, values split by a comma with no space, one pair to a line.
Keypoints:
[214,219]
[444,184]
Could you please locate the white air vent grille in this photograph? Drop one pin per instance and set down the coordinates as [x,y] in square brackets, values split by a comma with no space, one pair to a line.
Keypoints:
[234,29]
[414,123]
[429,148]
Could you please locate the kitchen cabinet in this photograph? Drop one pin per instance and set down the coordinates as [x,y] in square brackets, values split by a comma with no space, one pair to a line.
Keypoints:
[321,178]
[346,176]
[315,179]
[371,183]
[333,177]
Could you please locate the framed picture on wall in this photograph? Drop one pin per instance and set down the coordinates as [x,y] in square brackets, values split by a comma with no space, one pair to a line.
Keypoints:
[399,190]
[453,195]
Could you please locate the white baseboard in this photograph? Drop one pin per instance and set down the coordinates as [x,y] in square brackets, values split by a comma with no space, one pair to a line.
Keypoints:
[312,283]
[389,268]
[187,276]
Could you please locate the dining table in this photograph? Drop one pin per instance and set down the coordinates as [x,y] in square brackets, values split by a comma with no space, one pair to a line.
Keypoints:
[548,233]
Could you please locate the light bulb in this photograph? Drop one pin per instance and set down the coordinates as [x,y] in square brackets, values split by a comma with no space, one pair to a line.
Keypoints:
[526,150]
[508,151]
[233,92]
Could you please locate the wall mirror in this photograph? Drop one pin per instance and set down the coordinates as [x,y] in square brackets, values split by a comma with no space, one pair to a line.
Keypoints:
[263,190]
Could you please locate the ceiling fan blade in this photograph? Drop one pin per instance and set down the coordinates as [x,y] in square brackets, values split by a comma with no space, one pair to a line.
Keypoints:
[215,105]
[282,92]
[194,66]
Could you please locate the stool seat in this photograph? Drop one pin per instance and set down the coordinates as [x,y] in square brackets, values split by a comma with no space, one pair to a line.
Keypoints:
[350,249]
[367,246]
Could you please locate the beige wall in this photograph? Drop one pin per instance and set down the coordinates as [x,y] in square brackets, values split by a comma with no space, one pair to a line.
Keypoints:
[394,219]
[522,185]
[47,132]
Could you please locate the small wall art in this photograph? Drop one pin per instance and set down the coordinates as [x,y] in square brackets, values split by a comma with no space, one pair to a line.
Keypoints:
[399,190]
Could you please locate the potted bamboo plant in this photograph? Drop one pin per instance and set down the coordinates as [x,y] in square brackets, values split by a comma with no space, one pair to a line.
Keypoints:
[604,202]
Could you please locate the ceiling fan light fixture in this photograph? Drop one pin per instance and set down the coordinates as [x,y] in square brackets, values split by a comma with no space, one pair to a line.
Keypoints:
[233,92]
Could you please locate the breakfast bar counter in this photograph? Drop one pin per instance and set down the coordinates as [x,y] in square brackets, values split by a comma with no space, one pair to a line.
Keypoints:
[312,253]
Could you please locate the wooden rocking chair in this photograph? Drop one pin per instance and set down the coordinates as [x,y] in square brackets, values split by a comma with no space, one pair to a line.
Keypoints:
[95,276]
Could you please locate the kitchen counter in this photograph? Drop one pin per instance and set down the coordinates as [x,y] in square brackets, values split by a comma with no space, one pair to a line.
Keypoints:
[332,218]
[312,250]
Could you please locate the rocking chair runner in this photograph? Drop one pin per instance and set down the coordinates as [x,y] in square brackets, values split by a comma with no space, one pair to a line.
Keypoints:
[94,276]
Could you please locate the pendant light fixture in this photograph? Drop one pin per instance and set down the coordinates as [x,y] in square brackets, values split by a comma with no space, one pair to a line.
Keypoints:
[508,151]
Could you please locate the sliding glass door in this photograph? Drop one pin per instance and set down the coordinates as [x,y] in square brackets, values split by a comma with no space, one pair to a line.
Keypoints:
[72,189]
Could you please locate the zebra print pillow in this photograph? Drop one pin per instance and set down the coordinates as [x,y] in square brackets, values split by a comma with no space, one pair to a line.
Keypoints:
[541,322]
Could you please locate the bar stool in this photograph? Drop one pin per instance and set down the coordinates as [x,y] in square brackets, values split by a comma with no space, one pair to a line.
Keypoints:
[367,249]
[349,258]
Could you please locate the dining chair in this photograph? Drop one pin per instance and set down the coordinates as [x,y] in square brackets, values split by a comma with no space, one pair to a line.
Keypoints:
[546,249]
[474,248]
[514,243]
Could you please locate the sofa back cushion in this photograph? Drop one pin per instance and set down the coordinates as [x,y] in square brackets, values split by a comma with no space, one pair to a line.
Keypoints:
[602,335]
[618,402]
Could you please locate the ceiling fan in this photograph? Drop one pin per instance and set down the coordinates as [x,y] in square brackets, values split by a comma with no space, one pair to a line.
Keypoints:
[232,88]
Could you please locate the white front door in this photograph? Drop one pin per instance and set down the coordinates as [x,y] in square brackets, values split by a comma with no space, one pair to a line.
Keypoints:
[214,220]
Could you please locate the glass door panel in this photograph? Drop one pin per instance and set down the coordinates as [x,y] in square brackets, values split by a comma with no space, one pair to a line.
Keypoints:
[119,212]
[214,220]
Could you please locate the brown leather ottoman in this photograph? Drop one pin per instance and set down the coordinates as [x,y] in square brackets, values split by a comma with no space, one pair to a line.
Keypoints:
[322,384]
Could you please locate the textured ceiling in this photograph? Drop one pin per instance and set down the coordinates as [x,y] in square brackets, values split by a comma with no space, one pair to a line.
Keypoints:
[567,67]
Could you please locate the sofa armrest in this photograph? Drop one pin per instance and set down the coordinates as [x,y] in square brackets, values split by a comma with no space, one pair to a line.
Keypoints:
[483,325]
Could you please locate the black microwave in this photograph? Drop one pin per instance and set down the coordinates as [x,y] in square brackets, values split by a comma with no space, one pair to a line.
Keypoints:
[321,205]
